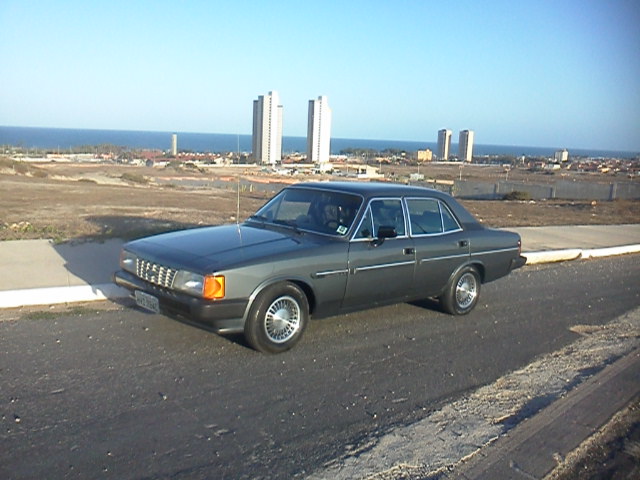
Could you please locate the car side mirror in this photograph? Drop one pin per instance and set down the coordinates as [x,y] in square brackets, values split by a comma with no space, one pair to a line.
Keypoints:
[384,232]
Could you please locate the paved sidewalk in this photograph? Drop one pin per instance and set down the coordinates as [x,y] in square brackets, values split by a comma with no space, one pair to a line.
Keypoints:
[40,272]
[42,263]
[563,243]
[577,236]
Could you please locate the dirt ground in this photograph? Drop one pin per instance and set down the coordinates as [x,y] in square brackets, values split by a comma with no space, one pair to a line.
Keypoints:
[97,201]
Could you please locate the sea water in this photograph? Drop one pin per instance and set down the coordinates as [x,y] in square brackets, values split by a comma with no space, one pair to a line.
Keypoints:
[65,138]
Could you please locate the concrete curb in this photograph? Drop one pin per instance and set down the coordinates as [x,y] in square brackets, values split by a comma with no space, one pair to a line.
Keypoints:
[552,256]
[606,252]
[55,295]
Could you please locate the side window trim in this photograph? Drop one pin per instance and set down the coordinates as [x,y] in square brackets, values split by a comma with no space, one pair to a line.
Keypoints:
[442,230]
[368,209]
[445,208]
[355,237]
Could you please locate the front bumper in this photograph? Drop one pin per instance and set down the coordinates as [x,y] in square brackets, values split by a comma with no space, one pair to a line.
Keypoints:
[224,316]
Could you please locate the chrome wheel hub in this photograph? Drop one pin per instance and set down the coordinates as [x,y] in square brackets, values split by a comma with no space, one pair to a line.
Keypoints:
[282,319]
[466,290]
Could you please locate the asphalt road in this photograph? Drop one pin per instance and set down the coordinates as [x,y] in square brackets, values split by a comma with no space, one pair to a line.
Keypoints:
[124,394]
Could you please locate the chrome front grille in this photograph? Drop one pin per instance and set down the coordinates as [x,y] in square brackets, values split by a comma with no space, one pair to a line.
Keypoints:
[155,273]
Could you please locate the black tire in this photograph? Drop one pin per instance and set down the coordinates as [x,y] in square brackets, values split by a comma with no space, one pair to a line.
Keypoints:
[277,318]
[462,293]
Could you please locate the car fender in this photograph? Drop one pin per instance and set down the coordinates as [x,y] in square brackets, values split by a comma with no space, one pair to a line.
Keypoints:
[475,263]
[297,280]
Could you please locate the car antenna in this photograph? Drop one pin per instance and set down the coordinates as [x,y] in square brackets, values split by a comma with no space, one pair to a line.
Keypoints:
[238,184]
[238,190]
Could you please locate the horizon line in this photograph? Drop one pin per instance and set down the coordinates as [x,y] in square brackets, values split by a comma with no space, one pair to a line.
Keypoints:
[169,132]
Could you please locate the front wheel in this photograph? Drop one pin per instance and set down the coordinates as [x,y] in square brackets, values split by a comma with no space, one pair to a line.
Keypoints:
[277,318]
[462,292]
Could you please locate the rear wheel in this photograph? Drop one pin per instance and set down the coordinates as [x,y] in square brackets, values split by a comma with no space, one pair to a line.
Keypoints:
[277,318]
[462,293]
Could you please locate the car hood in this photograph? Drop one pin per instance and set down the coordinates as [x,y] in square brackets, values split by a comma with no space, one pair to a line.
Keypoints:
[213,248]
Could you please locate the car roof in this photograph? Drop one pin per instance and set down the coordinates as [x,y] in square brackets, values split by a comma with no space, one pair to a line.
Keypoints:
[371,189]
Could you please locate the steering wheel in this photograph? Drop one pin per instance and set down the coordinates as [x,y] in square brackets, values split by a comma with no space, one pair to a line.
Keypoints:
[331,224]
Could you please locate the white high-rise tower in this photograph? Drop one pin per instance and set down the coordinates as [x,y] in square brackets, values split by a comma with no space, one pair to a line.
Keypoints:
[267,129]
[465,146]
[174,144]
[319,131]
[444,144]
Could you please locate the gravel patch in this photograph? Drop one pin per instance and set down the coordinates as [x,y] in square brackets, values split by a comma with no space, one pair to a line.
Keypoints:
[434,445]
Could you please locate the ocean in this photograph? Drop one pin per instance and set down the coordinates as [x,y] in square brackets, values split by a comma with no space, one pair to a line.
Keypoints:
[65,138]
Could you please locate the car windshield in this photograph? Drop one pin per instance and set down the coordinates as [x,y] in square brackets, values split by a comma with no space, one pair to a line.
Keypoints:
[312,210]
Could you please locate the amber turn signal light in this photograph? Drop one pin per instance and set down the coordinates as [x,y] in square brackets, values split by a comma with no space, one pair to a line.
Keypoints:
[213,287]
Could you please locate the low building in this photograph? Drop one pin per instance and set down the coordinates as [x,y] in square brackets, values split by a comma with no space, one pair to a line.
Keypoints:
[323,167]
[357,170]
[368,171]
[425,155]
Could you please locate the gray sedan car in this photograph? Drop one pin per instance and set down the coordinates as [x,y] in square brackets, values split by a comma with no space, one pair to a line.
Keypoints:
[319,249]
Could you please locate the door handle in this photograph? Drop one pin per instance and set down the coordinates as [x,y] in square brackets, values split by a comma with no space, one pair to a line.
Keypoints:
[409,251]
[463,243]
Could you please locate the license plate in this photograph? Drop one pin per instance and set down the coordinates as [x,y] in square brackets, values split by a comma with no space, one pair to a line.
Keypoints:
[148,302]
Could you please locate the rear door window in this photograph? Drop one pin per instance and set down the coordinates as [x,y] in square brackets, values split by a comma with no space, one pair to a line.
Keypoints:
[449,222]
[430,216]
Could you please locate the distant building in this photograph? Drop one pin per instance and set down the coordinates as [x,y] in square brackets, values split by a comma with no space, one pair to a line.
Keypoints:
[425,155]
[267,129]
[444,144]
[465,146]
[561,156]
[174,145]
[319,131]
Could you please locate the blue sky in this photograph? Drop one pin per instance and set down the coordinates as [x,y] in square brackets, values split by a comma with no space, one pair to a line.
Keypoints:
[533,73]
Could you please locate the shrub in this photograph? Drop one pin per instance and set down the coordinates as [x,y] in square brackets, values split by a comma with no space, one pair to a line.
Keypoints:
[517,195]
[20,167]
[134,178]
